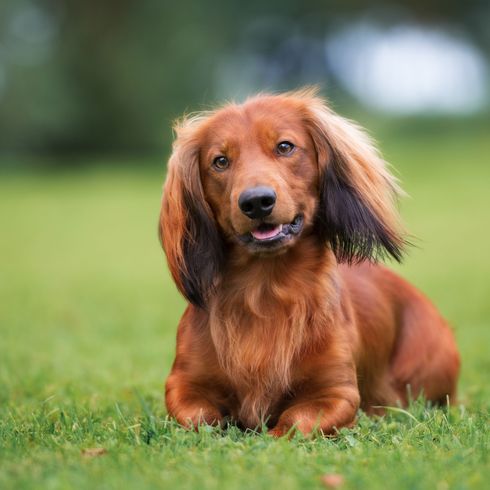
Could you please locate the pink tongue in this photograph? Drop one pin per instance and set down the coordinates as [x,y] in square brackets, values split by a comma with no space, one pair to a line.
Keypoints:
[265,234]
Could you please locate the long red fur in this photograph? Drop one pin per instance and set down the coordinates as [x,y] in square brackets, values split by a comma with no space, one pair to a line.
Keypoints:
[305,336]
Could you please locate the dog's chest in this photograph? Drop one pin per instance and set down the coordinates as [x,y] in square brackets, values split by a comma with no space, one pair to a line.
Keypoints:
[257,354]
[261,328]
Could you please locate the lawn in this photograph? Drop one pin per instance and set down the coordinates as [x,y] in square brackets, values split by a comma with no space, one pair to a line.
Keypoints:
[88,315]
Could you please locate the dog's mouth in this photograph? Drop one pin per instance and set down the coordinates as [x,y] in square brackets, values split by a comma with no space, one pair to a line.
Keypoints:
[271,235]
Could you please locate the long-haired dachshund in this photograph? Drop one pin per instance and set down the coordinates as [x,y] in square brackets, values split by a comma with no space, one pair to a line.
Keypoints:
[274,213]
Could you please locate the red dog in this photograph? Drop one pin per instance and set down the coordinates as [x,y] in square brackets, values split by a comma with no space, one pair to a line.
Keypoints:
[262,203]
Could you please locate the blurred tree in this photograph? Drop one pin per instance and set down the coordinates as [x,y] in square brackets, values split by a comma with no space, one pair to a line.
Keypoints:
[93,75]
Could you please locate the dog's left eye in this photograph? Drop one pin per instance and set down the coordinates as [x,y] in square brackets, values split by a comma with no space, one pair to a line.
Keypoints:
[284,148]
[221,163]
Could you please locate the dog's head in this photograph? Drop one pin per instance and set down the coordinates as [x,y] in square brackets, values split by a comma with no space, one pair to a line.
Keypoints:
[264,174]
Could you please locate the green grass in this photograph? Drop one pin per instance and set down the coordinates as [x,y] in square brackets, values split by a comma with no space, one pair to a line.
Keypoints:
[87,333]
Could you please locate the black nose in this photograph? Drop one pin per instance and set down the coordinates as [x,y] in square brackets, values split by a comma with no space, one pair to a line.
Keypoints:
[257,202]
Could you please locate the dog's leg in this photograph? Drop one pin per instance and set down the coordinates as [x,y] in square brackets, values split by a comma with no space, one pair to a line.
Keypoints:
[427,357]
[326,398]
[192,391]
[188,404]
[326,413]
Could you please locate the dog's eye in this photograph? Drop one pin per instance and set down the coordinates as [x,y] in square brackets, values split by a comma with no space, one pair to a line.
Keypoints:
[284,148]
[221,163]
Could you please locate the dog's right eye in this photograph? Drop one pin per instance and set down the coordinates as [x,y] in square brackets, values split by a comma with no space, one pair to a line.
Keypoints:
[221,163]
[285,148]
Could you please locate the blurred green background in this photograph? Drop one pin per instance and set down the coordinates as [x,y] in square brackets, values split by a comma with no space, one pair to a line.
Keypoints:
[88,312]
[93,77]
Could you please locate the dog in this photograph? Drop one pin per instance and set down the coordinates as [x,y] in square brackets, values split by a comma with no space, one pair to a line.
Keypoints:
[274,215]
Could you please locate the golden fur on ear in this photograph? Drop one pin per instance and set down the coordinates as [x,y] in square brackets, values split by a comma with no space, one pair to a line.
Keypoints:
[357,212]
[188,231]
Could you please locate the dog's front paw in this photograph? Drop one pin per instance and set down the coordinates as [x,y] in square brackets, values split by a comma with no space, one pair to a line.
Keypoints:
[278,431]
[192,419]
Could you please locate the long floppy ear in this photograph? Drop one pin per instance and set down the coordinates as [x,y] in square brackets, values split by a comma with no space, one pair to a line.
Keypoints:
[187,228]
[357,213]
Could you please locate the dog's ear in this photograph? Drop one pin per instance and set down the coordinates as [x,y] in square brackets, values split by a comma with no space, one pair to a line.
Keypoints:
[188,231]
[357,212]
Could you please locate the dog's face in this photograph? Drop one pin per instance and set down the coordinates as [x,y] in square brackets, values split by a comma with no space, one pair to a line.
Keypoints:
[264,175]
[260,174]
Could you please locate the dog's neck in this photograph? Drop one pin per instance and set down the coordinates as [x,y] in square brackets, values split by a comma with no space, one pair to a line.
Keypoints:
[306,269]
[267,311]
